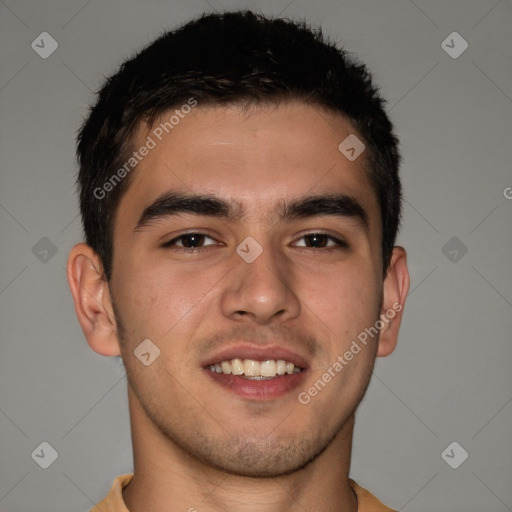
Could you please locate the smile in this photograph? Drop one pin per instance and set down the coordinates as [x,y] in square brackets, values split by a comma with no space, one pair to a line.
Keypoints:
[253,369]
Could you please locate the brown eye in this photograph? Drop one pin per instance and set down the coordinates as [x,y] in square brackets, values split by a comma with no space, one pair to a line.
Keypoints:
[320,241]
[189,241]
[316,240]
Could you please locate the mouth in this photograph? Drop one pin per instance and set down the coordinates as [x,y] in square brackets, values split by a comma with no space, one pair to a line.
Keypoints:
[257,373]
[253,369]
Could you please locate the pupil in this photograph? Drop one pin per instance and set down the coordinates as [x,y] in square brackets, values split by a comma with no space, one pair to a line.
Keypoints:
[192,240]
[316,240]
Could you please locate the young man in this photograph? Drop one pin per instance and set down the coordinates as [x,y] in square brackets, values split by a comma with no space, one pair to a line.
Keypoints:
[240,199]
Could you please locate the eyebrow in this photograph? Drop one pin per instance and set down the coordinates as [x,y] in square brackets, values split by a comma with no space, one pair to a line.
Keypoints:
[172,203]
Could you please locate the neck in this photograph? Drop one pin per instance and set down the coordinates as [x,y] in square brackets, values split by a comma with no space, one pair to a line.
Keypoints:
[166,479]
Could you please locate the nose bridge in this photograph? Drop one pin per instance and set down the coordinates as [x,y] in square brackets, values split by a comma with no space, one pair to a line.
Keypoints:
[260,287]
[266,266]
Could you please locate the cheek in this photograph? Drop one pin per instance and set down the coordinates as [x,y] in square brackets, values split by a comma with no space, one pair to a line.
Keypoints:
[347,302]
[153,298]
[346,298]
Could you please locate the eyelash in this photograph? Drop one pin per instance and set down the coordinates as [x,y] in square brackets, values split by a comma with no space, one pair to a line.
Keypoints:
[340,244]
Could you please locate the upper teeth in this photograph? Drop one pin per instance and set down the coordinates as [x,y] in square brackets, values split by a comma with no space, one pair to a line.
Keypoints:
[253,368]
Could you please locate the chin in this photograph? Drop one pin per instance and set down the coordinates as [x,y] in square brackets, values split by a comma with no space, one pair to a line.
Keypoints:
[263,459]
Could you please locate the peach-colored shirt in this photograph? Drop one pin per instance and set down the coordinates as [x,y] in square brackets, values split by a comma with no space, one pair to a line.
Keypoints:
[114,500]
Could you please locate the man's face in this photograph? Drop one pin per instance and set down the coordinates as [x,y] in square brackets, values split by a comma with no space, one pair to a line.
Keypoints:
[315,286]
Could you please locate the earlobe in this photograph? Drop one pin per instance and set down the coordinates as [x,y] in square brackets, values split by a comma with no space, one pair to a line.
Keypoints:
[92,300]
[395,289]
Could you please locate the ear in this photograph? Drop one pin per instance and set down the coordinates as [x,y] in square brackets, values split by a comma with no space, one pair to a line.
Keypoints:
[91,296]
[394,293]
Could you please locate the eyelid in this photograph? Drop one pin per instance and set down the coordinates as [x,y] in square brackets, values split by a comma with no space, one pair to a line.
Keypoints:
[172,242]
[339,240]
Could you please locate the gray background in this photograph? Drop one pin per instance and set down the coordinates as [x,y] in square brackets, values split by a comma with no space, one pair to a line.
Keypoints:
[449,379]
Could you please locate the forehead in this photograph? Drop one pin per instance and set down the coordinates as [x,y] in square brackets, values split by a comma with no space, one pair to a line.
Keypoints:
[258,156]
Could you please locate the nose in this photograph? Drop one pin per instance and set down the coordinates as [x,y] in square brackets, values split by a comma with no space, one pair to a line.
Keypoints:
[261,291]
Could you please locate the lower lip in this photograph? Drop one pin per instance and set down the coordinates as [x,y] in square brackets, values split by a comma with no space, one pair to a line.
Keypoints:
[259,389]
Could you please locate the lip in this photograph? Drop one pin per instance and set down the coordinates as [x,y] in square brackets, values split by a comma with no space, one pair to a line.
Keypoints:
[258,353]
[258,390]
